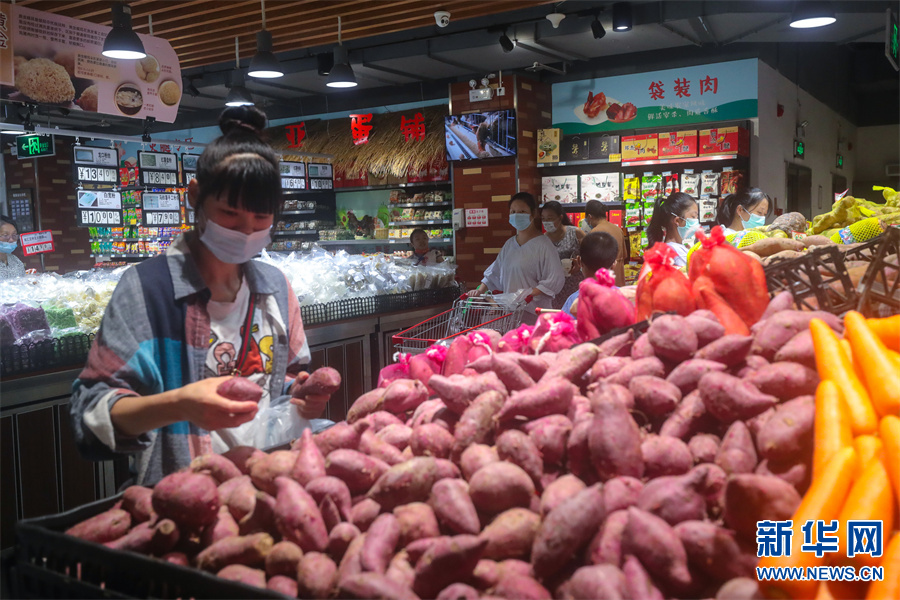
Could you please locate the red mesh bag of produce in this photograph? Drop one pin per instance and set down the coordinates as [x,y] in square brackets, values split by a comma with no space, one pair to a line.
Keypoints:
[398,370]
[554,332]
[662,287]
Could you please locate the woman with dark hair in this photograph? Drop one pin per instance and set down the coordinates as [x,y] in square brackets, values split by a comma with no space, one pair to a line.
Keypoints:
[528,260]
[674,219]
[10,266]
[567,239]
[181,324]
[747,209]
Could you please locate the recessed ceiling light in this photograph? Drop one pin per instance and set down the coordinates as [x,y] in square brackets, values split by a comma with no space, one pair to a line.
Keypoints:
[808,15]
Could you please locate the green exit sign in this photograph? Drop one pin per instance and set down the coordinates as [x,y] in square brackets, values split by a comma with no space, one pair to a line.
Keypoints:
[33,145]
[891,42]
[839,161]
[799,149]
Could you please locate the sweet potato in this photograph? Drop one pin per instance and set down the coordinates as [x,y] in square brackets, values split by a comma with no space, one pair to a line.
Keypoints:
[665,455]
[486,575]
[549,435]
[511,534]
[675,498]
[457,356]
[416,520]
[520,587]
[606,545]
[566,530]
[595,582]
[378,420]
[476,456]
[430,439]
[777,330]
[407,482]
[244,574]
[336,437]
[788,431]
[224,526]
[638,583]
[349,564]
[497,487]
[316,576]
[282,559]
[189,499]
[707,330]
[374,585]
[603,392]
[278,463]
[535,366]
[365,405]
[672,338]
[458,591]
[476,422]
[516,447]
[687,375]
[155,539]
[578,451]
[548,397]
[712,487]
[730,350]
[397,435]
[283,584]
[704,447]
[715,551]
[645,366]
[240,456]
[608,365]
[298,518]
[249,550]
[458,391]
[618,345]
[403,395]
[615,443]
[358,471]
[737,453]
[381,541]
[216,465]
[333,488]
[339,539]
[621,492]
[510,373]
[741,588]
[779,302]
[400,570]
[573,363]
[176,558]
[785,380]
[653,396]
[564,487]
[729,399]
[750,498]
[688,418]
[310,463]
[447,561]
[371,444]
[331,516]
[653,542]
[642,348]
[240,389]
[797,472]
[138,501]
[324,381]
[453,507]
[262,519]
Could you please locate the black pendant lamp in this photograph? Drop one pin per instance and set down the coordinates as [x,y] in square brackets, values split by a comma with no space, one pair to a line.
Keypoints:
[238,95]
[264,65]
[341,74]
[122,42]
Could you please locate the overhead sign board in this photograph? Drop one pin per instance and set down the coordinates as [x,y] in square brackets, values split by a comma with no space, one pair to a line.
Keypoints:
[158,169]
[99,209]
[293,175]
[160,210]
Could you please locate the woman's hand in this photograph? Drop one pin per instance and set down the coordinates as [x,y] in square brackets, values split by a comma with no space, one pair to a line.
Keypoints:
[310,406]
[478,291]
[201,404]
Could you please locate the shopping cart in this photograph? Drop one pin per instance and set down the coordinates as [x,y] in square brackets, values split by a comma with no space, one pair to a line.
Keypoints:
[468,314]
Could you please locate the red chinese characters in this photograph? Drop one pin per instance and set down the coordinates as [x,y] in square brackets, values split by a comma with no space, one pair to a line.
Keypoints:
[710,84]
[682,88]
[359,128]
[656,90]
[413,129]
[295,134]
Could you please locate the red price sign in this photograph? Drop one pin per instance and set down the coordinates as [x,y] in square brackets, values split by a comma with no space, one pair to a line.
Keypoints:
[37,242]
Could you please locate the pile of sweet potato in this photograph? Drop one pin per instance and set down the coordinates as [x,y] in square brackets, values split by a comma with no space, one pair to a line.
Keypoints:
[633,469]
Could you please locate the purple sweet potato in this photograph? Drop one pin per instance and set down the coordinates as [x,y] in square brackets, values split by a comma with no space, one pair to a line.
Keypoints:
[239,496]
[785,380]
[415,550]
[364,513]
[500,486]
[371,444]
[336,437]
[349,564]
[339,539]
[240,389]
[138,501]
[578,451]
[672,338]
[573,363]
[741,588]
[549,435]
[224,526]
[189,499]
[621,492]
[279,463]
[407,482]
[283,558]
[750,498]
[511,534]
[704,447]
[240,456]
[370,402]
[715,551]
[377,421]
[687,375]
[799,349]
[476,422]
[316,576]
[487,574]
[706,330]
[396,435]
[737,453]
[653,542]
[645,366]
[156,539]
[248,550]
[642,348]
[333,488]
[653,396]
[606,366]
[564,487]
[310,463]
[548,397]
[788,431]
[298,518]
[453,507]
[689,418]
[595,582]
[381,542]
[566,530]
[283,584]
[216,465]
[400,570]
[176,558]
[730,350]
[606,545]
[417,520]
[374,585]
[729,399]
[426,412]
[615,443]
[797,472]
[458,391]
[357,470]
[457,356]
[638,583]
[447,561]
[262,519]
[331,516]
[403,395]
[476,456]
[602,392]
[535,366]
[776,331]
[520,587]
[619,345]
[665,455]
[674,498]
[779,302]
[712,487]
[513,376]
[516,447]
[244,574]
[458,591]
[430,439]
[324,381]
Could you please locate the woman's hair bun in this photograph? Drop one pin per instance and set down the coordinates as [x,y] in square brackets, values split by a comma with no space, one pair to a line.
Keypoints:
[246,117]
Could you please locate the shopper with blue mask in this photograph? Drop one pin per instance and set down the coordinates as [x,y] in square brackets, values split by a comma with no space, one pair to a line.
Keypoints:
[527,261]
[10,266]
[675,219]
[747,209]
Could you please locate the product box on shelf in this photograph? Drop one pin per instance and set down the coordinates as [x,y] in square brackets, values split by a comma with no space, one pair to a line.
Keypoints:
[439,169]
[616,217]
[678,144]
[350,178]
[640,147]
[548,145]
[562,188]
[574,148]
[605,147]
[600,186]
[724,140]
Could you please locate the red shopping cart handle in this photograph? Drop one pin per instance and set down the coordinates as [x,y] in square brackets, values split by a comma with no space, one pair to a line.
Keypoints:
[466,295]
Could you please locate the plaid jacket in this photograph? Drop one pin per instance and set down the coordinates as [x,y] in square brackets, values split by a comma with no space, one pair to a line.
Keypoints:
[154,337]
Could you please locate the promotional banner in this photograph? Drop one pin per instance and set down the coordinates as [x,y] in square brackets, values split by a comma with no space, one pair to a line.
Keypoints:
[57,61]
[701,94]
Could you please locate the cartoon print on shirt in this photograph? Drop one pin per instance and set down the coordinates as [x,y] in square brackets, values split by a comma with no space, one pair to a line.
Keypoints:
[266,349]
[224,355]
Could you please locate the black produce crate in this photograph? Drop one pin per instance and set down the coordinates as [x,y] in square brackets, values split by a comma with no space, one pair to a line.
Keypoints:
[637,329]
[818,280]
[880,287]
[351,308]
[50,564]
[68,351]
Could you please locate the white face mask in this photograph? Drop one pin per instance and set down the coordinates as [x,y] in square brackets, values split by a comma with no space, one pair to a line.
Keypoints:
[549,227]
[232,246]
[520,221]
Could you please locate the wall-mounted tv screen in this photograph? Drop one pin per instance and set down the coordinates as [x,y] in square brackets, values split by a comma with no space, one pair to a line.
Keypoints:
[480,135]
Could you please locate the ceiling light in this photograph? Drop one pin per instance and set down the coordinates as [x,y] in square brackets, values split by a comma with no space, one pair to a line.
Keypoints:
[324,62]
[264,65]
[122,42]
[506,43]
[341,74]
[238,95]
[597,28]
[812,14]
[621,17]
[556,18]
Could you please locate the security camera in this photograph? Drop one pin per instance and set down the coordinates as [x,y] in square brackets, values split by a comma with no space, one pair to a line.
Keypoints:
[442,18]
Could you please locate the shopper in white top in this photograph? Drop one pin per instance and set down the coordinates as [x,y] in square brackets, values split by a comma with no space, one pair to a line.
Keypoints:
[747,209]
[527,261]
[674,219]
[10,266]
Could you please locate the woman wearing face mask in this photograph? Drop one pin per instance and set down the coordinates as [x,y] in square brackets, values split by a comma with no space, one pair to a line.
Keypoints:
[10,266]
[528,260]
[674,220]
[747,209]
[180,324]
[567,239]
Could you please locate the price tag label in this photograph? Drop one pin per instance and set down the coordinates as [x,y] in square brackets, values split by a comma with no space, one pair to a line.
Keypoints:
[159,178]
[321,184]
[37,242]
[293,183]
[97,175]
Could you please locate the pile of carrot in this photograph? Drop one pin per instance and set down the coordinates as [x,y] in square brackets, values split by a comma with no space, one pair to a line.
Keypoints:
[856,458]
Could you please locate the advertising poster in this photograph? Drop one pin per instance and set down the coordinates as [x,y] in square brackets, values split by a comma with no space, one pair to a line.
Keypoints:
[57,61]
[700,94]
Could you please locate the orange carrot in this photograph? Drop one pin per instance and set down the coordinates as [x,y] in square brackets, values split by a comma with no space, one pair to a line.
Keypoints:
[832,426]
[888,329]
[868,448]
[881,375]
[823,500]
[889,430]
[848,350]
[889,587]
[870,499]
[832,363]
